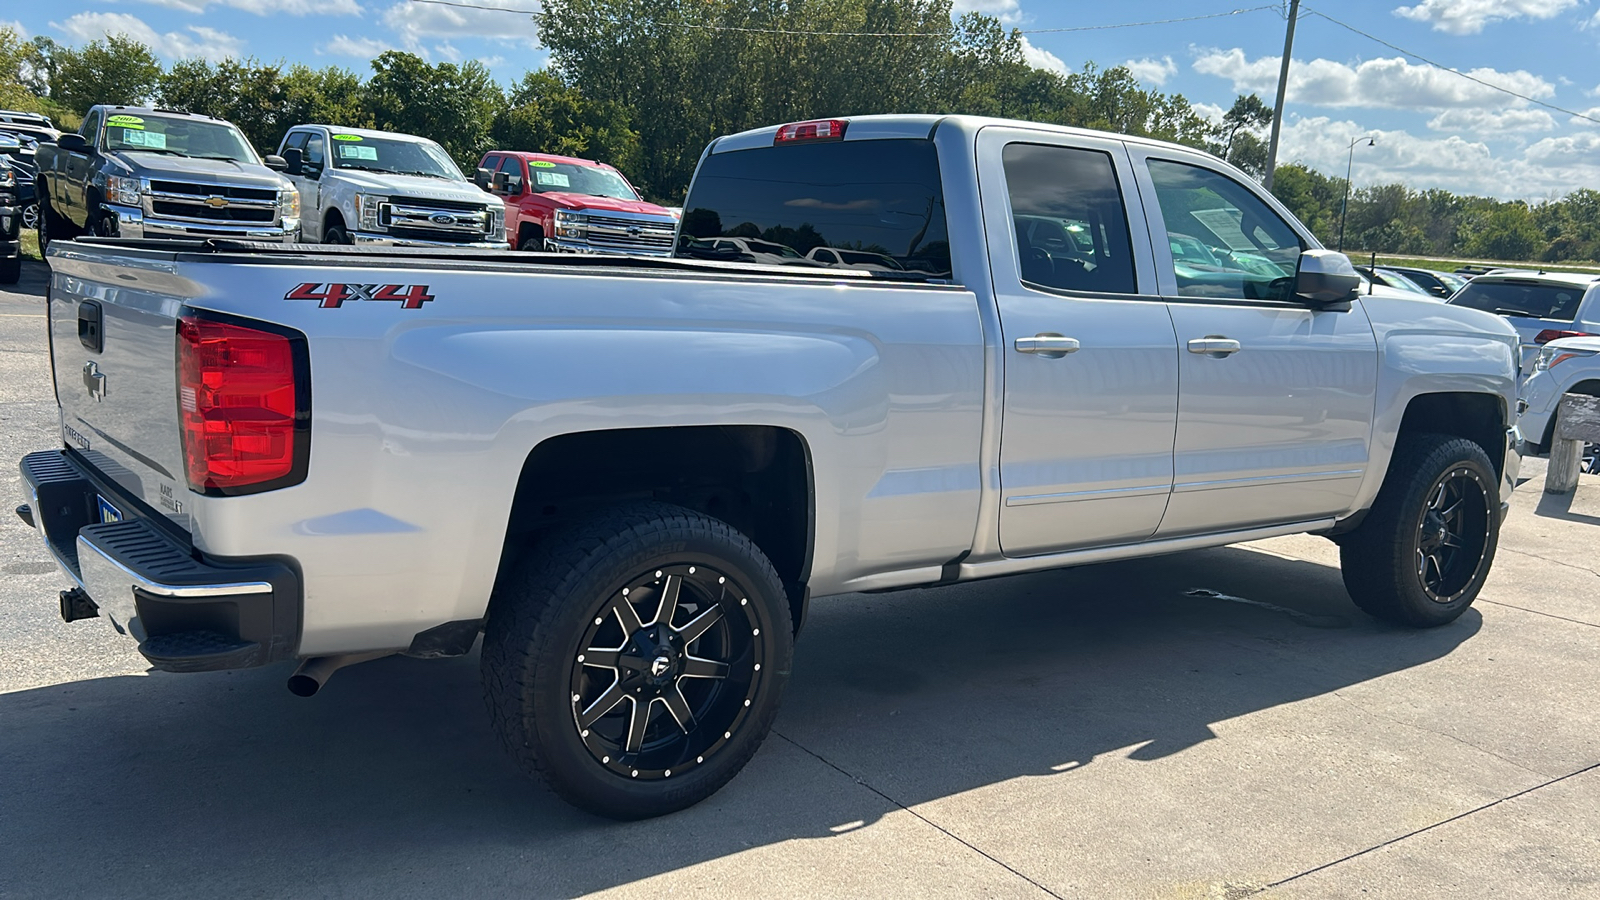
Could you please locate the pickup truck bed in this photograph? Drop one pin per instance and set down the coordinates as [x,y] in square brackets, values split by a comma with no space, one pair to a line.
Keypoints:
[630,474]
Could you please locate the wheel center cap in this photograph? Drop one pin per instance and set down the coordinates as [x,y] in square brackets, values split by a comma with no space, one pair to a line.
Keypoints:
[659,666]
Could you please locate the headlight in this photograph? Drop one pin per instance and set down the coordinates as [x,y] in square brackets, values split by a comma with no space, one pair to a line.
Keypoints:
[1554,356]
[289,203]
[497,223]
[122,190]
[571,224]
[367,207]
[7,178]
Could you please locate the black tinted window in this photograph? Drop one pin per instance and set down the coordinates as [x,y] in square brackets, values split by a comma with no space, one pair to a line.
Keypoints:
[881,200]
[1528,300]
[1072,232]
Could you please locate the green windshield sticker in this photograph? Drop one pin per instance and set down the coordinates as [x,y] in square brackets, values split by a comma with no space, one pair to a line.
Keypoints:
[347,137]
[541,164]
[126,121]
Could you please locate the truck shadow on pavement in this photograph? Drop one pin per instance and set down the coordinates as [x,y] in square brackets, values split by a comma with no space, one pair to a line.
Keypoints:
[389,783]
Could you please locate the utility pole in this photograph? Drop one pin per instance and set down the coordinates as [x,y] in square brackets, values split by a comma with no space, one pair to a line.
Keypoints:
[1283,87]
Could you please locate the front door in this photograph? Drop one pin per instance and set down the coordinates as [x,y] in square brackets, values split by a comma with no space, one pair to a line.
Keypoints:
[1090,356]
[1276,405]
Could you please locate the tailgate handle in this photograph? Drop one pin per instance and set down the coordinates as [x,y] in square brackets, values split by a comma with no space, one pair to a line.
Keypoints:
[91,326]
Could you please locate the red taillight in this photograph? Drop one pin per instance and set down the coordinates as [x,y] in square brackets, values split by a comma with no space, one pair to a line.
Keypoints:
[241,410]
[815,130]
[1551,334]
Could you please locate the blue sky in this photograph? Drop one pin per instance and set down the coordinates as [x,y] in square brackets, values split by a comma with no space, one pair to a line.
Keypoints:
[1433,128]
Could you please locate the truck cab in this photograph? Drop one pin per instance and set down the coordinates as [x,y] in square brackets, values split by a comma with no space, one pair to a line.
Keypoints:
[135,172]
[572,205]
[360,186]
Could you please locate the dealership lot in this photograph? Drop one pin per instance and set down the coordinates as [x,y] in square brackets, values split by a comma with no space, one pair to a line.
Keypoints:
[1216,724]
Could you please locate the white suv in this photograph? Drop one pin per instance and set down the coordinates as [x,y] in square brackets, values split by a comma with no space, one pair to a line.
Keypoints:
[1542,306]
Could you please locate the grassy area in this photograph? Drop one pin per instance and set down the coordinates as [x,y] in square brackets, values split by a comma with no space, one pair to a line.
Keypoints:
[30,244]
[1583,267]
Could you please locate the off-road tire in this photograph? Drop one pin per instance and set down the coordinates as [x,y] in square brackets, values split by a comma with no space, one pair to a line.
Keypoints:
[1383,559]
[540,618]
[52,226]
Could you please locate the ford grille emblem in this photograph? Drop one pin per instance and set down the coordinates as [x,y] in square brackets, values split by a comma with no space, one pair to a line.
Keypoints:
[442,219]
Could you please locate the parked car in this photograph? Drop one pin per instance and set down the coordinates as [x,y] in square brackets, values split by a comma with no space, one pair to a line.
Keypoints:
[1370,288]
[1542,307]
[10,225]
[1439,284]
[39,127]
[134,172]
[21,151]
[563,203]
[631,477]
[1390,278]
[1563,366]
[359,186]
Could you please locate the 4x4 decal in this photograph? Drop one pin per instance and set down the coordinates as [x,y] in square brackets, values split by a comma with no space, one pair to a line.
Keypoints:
[332,296]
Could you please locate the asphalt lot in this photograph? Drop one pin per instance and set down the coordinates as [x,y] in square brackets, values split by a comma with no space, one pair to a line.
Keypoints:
[1102,732]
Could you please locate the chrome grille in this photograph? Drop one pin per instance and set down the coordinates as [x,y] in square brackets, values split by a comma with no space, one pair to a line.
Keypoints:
[185,201]
[439,219]
[619,233]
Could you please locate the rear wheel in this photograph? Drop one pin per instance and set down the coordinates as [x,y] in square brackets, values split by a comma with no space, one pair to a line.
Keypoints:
[52,227]
[636,662]
[1424,551]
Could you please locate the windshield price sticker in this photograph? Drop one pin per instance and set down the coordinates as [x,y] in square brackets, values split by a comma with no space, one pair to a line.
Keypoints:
[347,137]
[542,164]
[153,140]
[349,152]
[553,179]
[125,122]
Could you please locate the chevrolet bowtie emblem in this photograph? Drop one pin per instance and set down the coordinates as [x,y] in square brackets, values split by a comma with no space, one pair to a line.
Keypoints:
[216,202]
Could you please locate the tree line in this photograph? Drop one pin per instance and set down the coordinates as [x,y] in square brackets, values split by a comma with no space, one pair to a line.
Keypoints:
[646,84]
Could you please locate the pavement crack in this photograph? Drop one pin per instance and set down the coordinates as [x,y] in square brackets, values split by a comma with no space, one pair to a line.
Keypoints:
[925,820]
[1538,613]
[1426,828]
[1549,560]
[1444,734]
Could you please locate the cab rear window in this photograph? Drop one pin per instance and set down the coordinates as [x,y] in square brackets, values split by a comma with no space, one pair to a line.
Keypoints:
[874,206]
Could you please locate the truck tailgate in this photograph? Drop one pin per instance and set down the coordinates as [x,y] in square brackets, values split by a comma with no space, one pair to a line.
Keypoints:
[113,331]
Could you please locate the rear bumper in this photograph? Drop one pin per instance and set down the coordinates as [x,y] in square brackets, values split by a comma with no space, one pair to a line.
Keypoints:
[133,223]
[189,611]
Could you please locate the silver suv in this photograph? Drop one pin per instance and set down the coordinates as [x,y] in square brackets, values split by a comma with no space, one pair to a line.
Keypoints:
[1541,306]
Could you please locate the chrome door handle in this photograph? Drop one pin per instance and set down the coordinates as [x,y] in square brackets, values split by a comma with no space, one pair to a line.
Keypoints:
[1050,346]
[1214,346]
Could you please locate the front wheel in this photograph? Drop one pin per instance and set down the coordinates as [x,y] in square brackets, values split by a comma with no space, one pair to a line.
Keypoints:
[636,661]
[1424,551]
[30,216]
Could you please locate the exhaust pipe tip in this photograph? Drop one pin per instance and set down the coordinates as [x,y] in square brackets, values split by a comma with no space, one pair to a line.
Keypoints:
[303,685]
[313,673]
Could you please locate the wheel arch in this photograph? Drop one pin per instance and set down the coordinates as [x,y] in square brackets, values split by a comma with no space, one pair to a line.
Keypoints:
[1479,417]
[528,229]
[757,478]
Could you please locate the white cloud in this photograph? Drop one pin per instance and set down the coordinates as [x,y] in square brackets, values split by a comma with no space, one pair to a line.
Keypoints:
[448,51]
[357,47]
[1040,58]
[1495,123]
[1386,83]
[1592,114]
[1469,16]
[1009,12]
[269,7]
[1211,112]
[1552,166]
[420,22]
[1152,71]
[15,27]
[200,41]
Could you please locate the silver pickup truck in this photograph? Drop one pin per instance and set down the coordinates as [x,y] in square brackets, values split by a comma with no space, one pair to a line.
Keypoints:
[629,475]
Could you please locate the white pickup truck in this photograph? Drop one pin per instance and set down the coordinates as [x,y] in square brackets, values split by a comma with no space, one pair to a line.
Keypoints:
[629,475]
[359,186]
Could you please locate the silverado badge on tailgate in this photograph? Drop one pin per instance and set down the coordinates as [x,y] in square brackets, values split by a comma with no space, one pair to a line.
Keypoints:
[332,296]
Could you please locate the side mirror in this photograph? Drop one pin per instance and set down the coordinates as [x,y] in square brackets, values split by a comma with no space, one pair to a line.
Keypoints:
[73,143]
[482,178]
[276,163]
[1326,280]
[514,185]
[500,180]
[293,161]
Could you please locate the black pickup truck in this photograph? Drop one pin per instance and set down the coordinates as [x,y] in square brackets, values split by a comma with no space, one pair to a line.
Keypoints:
[10,225]
[135,172]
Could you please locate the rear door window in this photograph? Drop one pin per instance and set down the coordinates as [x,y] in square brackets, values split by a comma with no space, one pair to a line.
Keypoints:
[1524,299]
[1071,228]
[879,204]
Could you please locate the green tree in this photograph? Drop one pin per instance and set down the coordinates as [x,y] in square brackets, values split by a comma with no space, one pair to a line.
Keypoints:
[545,115]
[452,104]
[117,70]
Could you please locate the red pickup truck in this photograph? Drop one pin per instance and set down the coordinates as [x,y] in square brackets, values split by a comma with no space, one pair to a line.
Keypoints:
[577,205]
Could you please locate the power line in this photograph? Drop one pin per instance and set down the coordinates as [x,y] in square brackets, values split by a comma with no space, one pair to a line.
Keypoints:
[894,34]
[1417,56]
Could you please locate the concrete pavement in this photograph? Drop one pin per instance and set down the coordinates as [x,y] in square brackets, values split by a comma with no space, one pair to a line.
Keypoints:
[1215,724]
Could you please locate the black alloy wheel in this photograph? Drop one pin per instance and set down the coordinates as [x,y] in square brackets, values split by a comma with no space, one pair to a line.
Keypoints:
[653,698]
[1453,533]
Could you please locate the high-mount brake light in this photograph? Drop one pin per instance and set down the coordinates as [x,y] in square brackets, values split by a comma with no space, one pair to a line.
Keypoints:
[245,406]
[1552,334]
[814,130]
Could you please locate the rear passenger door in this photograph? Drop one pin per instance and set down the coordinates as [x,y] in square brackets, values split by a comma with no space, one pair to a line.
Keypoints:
[1090,356]
[1276,400]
